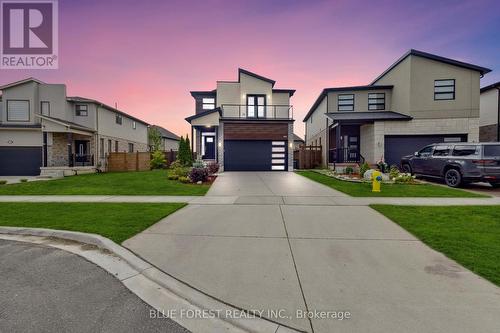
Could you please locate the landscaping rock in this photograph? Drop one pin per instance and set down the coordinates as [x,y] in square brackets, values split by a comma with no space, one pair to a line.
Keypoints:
[368,175]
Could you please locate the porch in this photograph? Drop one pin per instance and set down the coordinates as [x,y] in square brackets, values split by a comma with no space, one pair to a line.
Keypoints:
[204,143]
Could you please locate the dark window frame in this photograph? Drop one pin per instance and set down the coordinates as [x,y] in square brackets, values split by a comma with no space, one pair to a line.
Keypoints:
[78,112]
[376,104]
[116,146]
[338,100]
[130,147]
[118,119]
[443,92]
[101,148]
[134,124]
[41,108]
[19,100]
[203,103]
[256,96]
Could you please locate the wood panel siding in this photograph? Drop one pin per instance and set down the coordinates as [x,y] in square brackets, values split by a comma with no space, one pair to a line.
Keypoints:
[255,131]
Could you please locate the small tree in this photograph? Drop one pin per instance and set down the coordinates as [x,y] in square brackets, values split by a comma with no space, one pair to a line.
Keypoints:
[189,153]
[154,139]
[158,160]
[180,154]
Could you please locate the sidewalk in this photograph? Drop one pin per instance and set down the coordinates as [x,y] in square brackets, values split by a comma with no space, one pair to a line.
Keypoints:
[256,200]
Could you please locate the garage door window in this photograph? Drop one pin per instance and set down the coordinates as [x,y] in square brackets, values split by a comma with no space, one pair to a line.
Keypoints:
[18,110]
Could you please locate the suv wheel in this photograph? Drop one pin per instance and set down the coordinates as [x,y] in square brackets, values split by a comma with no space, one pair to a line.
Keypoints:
[453,178]
[407,168]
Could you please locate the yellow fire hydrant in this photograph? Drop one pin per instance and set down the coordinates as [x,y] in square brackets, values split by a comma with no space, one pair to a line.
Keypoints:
[376,181]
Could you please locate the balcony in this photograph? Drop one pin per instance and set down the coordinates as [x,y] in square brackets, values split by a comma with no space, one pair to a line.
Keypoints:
[257,112]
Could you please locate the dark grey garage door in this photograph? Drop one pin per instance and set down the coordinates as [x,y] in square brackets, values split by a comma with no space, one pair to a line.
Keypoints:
[20,161]
[397,146]
[249,155]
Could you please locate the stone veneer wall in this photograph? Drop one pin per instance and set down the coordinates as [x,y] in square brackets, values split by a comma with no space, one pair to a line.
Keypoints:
[220,148]
[57,152]
[488,133]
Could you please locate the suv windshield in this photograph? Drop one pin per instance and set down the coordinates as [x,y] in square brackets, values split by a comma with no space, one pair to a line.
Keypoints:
[465,150]
[426,151]
[492,150]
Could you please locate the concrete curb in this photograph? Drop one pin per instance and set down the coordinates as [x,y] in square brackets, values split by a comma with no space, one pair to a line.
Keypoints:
[161,291]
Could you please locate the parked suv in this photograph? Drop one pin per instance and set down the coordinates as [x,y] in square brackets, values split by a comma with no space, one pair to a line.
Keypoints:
[457,163]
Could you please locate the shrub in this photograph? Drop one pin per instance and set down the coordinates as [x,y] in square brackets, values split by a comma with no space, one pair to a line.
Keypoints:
[382,166]
[23,180]
[363,168]
[173,177]
[175,164]
[393,172]
[180,171]
[184,180]
[198,164]
[213,168]
[349,170]
[198,175]
[3,182]
[404,178]
[158,160]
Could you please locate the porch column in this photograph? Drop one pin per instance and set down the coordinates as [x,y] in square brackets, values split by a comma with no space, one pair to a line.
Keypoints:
[338,144]
[69,138]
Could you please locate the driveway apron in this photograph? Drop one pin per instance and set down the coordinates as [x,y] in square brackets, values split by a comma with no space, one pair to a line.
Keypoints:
[268,252]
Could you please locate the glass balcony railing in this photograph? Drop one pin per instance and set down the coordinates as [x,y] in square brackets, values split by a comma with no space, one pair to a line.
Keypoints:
[238,111]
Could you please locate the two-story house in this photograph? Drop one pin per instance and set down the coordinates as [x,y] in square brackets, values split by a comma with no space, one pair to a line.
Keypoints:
[169,140]
[489,120]
[44,131]
[420,99]
[244,125]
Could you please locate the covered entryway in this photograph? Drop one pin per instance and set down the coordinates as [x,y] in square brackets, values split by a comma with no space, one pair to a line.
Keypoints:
[255,155]
[397,146]
[20,161]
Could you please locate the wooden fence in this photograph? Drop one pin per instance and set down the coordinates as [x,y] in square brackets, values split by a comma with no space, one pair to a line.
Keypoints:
[170,156]
[138,161]
[307,157]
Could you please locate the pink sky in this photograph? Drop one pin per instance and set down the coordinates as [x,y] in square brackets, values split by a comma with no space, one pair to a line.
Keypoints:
[147,55]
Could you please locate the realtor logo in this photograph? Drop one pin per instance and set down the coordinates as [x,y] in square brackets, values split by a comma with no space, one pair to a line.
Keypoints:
[29,34]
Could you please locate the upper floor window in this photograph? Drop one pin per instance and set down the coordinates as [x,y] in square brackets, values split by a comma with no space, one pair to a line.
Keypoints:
[376,101]
[130,147]
[18,110]
[118,119]
[134,125]
[346,102]
[45,108]
[208,103]
[82,110]
[256,106]
[444,90]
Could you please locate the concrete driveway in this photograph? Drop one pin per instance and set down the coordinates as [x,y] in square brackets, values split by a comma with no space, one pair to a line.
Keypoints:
[277,255]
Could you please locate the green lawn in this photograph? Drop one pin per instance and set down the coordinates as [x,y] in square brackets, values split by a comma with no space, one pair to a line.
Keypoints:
[113,183]
[116,221]
[470,235]
[388,190]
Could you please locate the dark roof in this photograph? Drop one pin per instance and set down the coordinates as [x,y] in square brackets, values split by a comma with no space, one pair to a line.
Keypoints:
[328,90]
[289,91]
[491,86]
[13,84]
[165,133]
[297,138]
[367,116]
[78,99]
[449,61]
[68,123]
[257,76]
[203,93]
[202,114]
[20,126]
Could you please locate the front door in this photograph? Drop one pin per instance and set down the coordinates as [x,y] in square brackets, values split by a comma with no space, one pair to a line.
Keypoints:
[350,143]
[81,150]
[208,148]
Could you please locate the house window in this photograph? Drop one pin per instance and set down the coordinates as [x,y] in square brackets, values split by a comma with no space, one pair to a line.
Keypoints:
[346,102]
[444,90]
[130,147]
[134,125]
[101,148]
[208,103]
[45,108]
[116,146]
[118,119]
[18,110]
[109,146]
[376,101]
[82,110]
[256,106]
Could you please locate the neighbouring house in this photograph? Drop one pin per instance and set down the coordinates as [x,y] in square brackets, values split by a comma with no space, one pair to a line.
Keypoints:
[420,99]
[169,141]
[43,131]
[489,129]
[244,125]
[297,141]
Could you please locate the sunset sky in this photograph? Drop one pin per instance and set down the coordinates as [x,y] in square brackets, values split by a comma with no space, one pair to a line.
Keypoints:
[147,55]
